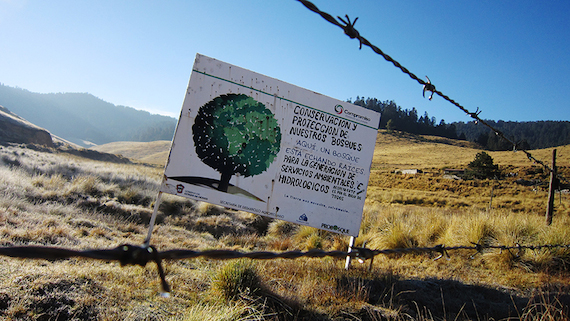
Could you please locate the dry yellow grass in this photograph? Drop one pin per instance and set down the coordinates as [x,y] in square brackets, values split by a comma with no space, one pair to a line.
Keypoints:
[395,150]
[432,154]
[147,152]
[61,200]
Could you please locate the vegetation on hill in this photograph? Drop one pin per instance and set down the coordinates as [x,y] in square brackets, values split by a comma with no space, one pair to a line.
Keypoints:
[528,135]
[57,199]
[395,118]
[83,118]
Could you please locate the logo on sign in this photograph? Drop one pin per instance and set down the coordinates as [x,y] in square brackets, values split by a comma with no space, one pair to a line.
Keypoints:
[179,188]
[335,228]
[338,109]
[303,218]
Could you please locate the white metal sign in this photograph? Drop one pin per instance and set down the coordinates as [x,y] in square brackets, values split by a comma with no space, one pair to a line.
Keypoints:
[253,143]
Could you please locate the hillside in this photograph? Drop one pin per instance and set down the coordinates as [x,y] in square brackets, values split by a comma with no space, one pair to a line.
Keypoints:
[52,198]
[393,150]
[85,119]
[14,129]
[396,150]
[147,152]
[79,198]
[431,155]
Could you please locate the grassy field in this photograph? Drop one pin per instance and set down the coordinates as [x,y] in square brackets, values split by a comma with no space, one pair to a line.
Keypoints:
[57,199]
[151,152]
[434,154]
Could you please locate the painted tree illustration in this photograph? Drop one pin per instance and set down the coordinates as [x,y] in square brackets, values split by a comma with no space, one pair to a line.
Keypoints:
[236,135]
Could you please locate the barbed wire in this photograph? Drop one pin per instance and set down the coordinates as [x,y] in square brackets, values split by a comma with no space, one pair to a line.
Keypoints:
[128,254]
[348,28]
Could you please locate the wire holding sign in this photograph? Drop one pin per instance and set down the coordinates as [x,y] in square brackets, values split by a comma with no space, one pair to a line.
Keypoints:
[257,144]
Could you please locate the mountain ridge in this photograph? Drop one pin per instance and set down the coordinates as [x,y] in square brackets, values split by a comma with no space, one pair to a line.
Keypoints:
[84,119]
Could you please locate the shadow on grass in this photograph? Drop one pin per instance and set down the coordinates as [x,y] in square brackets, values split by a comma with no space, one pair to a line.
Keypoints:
[435,299]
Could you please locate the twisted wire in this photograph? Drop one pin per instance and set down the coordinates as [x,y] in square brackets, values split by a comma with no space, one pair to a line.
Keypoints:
[128,254]
[351,32]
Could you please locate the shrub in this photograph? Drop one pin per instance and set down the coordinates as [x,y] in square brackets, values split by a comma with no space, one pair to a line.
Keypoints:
[237,278]
[482,167]
[279,228]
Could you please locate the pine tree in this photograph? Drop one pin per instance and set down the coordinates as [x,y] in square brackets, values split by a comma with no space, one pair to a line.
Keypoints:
[482,167]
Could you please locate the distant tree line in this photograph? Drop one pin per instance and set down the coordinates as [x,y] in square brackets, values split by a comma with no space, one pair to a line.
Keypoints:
[395,118]
[163,130]
[527,135]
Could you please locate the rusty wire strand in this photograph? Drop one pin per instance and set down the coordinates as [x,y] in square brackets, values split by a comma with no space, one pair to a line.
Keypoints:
[128,254]
[350,31]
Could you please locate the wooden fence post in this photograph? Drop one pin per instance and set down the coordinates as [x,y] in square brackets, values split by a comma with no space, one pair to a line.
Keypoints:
[550,206]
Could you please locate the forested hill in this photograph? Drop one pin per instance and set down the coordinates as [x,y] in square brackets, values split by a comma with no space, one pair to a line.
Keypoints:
[528,135]
[82,118]
[395,118]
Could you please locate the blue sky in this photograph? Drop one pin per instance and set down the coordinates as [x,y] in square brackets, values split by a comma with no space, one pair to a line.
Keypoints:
[509,58]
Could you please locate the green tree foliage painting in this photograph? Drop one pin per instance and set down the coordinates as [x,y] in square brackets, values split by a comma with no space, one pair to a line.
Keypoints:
[236,135]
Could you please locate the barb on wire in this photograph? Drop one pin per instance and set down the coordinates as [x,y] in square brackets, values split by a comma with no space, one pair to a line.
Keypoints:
[349,30]
[126,255]
[428,87]
[362,41]
[442,252]
[140,255]
[475,115]
[477,247]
